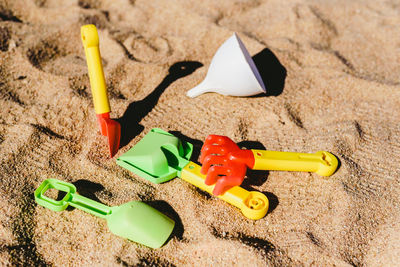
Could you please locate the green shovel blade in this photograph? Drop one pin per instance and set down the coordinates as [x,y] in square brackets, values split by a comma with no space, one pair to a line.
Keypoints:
[141,223]
[158,157]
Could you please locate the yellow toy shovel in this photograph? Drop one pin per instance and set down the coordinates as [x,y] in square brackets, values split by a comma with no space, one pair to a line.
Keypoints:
[108,127]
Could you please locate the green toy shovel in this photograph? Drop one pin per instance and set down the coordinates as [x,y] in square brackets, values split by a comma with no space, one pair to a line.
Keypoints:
[133,220]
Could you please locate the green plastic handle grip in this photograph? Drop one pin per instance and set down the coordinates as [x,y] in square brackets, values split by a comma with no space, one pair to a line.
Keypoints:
[71,198]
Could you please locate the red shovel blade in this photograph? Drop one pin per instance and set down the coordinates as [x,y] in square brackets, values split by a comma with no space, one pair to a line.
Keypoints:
[112,130]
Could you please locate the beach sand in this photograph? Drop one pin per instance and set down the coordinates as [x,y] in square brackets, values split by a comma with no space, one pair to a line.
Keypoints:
[332,72]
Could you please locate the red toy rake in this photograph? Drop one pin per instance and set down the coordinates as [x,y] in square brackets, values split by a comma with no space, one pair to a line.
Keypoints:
[225,163]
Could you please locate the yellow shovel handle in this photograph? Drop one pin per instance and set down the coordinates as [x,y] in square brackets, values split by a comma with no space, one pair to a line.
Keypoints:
[90,40]
[322,162]
[253,204]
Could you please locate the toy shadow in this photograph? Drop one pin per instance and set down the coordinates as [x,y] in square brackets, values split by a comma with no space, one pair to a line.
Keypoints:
[197,144]
[137,110]
[88,189]
[166,209]
[254,177]
[272,72]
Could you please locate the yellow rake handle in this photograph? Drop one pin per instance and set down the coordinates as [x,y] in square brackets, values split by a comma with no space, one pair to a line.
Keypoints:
[253,204]
[322,162]
[90,40]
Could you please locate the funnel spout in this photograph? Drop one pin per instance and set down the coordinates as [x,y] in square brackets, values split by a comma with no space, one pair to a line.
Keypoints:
[198,90]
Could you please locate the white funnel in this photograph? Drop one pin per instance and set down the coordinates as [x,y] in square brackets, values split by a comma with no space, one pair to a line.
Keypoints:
[232,72]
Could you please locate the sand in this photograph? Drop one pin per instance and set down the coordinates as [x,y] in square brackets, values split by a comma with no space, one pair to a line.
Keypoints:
[332,72]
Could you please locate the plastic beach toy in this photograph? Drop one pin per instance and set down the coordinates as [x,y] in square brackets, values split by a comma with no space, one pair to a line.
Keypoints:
[232,72]
[160,157]
[108,127]
[225,163]
[134,220]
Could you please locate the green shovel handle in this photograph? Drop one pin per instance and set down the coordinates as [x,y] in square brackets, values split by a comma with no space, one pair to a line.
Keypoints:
[90,206]
[71,198]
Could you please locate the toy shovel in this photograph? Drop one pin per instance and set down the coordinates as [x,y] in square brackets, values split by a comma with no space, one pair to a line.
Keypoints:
[161,156]
[225,163]
[133,220]
[108,127]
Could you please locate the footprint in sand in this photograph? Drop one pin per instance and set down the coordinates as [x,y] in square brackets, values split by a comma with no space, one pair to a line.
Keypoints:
[148,50]
[54,55]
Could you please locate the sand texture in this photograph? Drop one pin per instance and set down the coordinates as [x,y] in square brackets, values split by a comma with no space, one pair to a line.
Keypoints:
[332,72]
